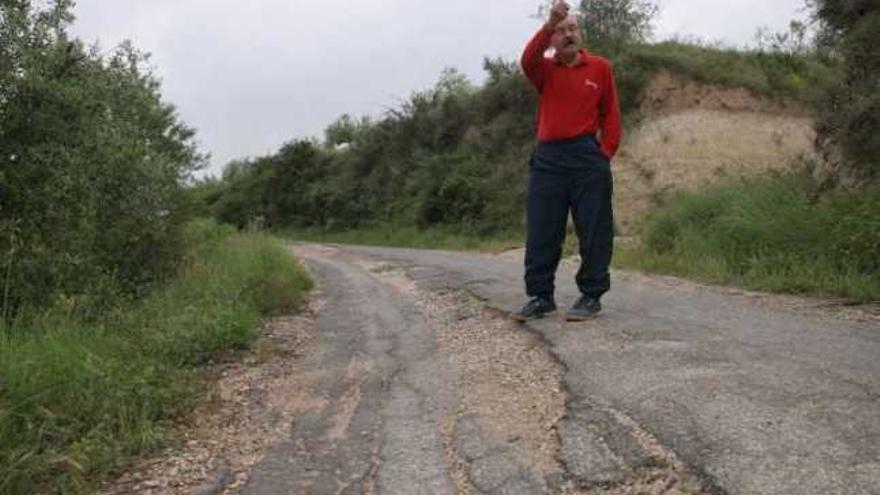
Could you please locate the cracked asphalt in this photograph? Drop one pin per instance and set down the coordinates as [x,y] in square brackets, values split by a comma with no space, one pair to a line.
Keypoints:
[676,388]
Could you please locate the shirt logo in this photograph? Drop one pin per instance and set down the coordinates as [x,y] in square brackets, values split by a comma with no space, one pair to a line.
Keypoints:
[590,83]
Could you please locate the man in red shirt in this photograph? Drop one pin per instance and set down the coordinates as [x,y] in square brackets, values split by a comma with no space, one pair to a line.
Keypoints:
[578,133]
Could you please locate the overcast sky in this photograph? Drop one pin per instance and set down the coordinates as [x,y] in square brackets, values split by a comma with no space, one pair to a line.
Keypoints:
[250,75]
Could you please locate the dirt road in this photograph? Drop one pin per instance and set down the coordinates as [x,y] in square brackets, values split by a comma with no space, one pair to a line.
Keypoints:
[407,378]
[677,388]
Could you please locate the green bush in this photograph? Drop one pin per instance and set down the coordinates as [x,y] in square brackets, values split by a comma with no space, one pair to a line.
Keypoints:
[771,233]
[851,111]
[80,397]
[92,165]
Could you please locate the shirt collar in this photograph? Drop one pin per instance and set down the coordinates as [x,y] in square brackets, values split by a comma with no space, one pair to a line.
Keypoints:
[582,58]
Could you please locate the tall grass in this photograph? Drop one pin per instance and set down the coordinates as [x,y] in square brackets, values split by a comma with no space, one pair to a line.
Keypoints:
[775,233]
[79,398]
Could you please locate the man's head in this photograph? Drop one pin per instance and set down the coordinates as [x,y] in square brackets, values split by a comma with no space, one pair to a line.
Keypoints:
[567,37]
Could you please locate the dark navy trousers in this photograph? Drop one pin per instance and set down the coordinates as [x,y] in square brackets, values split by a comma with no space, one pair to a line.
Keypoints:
[569,176]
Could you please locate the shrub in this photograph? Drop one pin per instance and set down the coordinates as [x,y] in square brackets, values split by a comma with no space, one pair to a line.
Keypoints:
[80,397]
[772,232]
[92,165]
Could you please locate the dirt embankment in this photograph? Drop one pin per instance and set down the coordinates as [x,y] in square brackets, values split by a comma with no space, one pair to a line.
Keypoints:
[692,134]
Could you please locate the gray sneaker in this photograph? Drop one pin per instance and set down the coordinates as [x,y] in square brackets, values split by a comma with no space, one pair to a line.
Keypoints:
[586,308]
[537,307]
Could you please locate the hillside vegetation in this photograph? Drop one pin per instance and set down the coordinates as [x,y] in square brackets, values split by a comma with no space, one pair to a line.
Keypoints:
[111,296]
[851,112]
[770,232]
[452,158]
[814,229]
[92,167]
[82,397]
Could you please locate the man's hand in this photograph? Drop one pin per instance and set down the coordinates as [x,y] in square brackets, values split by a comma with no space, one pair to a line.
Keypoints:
[557,14]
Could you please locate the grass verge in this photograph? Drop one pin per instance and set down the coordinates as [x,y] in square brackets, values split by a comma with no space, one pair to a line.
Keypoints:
[773,233]
[79,399]
[412,237]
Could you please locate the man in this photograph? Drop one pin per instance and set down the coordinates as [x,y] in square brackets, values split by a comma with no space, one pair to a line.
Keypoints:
[578,133]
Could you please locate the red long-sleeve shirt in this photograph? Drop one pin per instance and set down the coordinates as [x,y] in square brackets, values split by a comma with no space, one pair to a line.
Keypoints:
[576,100]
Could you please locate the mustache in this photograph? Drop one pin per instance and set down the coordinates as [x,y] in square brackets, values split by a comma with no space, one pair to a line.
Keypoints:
[569,41]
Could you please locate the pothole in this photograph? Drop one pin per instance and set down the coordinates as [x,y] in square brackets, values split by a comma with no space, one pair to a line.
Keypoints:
[511,384]
[506,378]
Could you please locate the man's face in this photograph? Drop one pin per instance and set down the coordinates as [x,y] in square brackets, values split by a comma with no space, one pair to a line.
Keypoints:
[567,37]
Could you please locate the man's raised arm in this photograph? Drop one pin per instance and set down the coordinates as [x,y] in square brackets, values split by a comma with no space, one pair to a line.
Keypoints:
[533,57]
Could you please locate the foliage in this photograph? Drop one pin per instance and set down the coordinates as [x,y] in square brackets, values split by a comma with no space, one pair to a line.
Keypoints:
[81,397]
[770,233]
[455,157]
[612,26]
[796,41]
[851,115]
[434,161]
[92,165]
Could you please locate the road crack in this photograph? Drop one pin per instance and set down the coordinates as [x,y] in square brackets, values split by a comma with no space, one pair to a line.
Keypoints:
[509,398]
[604,451]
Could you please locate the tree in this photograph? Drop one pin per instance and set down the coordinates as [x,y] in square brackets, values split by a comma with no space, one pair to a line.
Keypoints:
[613,25]
[345,130]
[851,116]
[92,163]
[794,42]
